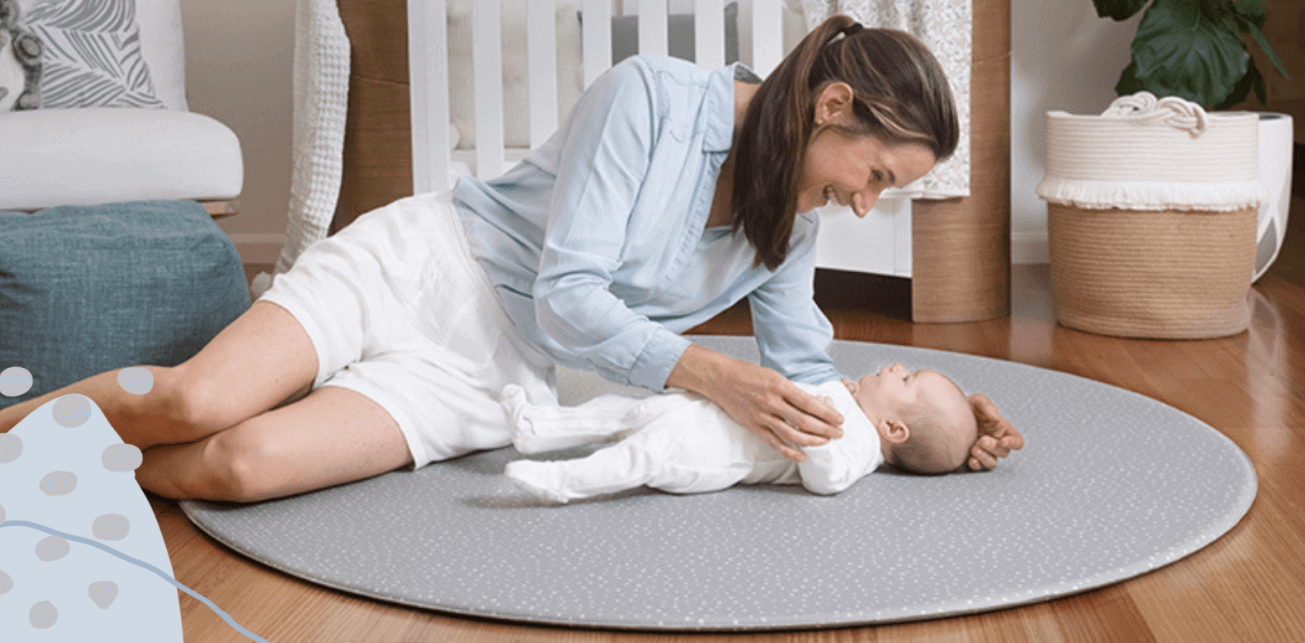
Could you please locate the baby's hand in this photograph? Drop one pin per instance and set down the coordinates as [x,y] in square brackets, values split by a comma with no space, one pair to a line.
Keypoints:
[851,386]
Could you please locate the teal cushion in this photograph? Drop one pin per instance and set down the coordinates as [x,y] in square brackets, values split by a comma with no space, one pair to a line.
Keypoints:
[87,289]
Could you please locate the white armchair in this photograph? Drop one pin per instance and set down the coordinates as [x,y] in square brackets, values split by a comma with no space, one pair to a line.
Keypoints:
[112,124]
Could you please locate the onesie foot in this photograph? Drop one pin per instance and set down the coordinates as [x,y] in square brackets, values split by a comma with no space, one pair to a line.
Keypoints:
[515,404]
[533,478]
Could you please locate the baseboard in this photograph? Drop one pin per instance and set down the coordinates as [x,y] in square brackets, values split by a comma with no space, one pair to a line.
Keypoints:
[1029,246]
[258,247]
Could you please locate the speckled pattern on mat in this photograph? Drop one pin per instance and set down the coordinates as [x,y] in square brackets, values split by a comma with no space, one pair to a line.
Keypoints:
[1110,485]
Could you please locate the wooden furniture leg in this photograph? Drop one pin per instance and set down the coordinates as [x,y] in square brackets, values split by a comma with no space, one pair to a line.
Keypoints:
[221,209]
[960,248]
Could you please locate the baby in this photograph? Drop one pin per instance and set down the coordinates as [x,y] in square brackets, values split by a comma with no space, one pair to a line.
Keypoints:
[919,421]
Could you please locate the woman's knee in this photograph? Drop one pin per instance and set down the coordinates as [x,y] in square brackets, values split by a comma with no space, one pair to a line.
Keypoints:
[192,402]
[231,469]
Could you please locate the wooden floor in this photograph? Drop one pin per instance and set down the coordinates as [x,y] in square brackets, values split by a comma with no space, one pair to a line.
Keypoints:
[1247,586]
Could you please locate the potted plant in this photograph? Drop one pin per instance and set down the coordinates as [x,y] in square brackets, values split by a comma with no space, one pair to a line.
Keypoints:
[1196,49]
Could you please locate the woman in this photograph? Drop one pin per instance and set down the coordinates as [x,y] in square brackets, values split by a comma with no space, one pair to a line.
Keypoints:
[670,193]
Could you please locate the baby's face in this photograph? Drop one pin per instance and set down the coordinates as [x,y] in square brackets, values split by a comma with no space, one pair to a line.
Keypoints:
[903,394]
[894,388]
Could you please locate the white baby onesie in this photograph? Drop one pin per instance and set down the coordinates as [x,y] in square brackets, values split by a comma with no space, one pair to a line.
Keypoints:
[678,442]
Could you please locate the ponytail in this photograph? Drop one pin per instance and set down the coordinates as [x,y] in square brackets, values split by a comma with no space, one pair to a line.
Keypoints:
[901,95]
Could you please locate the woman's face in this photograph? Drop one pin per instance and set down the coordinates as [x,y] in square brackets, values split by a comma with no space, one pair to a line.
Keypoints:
[852,170]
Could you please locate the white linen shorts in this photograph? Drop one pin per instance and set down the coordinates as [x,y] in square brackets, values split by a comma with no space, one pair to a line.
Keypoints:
[399,311]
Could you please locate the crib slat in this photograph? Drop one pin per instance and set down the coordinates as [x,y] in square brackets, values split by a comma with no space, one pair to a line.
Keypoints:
[596,38]
[767,36]
[487,61]
[541,62]
[652,27]
[709,33]
[428,82]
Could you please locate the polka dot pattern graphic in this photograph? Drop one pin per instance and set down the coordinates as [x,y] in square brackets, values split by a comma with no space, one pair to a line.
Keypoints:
[64,468]
[1069,513]
[136,380]
[15,381]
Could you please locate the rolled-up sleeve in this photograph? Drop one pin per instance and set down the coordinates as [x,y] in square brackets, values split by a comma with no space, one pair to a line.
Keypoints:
[607,151]
[793,334]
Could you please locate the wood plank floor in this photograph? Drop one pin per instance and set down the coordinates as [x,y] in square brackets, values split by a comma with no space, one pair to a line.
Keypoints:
[1247,586]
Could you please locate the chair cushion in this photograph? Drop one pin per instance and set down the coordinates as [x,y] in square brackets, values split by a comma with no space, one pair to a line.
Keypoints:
[89,289]
[109,155]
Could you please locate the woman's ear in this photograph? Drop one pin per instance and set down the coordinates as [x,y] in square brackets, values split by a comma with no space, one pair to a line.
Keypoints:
[834,105]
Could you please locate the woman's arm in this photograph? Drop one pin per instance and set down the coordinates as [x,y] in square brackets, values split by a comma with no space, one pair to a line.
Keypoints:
[997,436]
[760,399]
[792,335]
[601,169]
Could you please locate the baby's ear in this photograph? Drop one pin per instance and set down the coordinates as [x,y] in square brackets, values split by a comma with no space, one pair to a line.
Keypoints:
[895,431]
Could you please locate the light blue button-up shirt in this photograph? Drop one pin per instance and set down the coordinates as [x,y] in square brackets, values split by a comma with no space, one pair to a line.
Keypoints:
[597,241]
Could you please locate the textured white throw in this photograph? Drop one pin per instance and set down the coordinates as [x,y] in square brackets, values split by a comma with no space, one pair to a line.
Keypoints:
[945,27]
[321,89]
[1149,154]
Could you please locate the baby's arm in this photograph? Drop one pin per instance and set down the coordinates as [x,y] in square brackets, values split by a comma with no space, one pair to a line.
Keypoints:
[833,467]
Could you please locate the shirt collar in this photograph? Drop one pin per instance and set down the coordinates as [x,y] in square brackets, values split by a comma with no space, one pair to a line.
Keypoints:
[720,94]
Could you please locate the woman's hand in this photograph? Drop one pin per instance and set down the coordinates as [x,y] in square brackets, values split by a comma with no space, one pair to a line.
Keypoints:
[997,436]
[765,402]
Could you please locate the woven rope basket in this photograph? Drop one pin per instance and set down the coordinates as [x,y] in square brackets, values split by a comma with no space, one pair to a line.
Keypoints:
[1151,218]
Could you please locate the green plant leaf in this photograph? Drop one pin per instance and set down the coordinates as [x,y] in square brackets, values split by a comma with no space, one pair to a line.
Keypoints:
[1247,24]
[1273,57]
[1241,91]
[1118,9]
[1252,9]
[1128,83]
[1261,92]
[1180,51]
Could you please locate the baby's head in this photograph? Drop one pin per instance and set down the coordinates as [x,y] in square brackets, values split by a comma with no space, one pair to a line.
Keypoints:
[924,420]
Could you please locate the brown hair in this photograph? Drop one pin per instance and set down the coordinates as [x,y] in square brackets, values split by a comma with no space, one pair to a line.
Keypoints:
[942,431]
[901,96]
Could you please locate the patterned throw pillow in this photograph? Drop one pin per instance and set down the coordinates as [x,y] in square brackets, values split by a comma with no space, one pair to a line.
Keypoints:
[20,61]
[91,54]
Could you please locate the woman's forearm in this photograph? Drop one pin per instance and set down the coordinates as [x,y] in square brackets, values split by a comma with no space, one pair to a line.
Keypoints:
[698,369]
[758,398]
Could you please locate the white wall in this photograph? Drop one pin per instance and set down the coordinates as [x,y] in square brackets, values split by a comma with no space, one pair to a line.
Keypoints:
[1063,57]
[239,56]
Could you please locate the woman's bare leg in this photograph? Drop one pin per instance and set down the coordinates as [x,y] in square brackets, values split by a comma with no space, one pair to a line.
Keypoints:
[333,436]
[261,359]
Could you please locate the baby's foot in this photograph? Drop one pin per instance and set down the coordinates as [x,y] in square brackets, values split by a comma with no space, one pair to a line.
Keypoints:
[536,479]
[517,407]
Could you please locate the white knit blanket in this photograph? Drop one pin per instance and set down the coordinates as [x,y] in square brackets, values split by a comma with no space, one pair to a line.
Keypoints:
[945,27]
[321,90]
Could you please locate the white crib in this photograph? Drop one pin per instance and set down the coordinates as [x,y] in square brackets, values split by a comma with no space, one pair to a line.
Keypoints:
[880,244]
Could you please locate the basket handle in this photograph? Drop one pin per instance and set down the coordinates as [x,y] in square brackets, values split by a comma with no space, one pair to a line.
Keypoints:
[1145,109]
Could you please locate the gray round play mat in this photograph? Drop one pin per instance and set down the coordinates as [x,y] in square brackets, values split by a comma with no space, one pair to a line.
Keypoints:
[1110,485]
